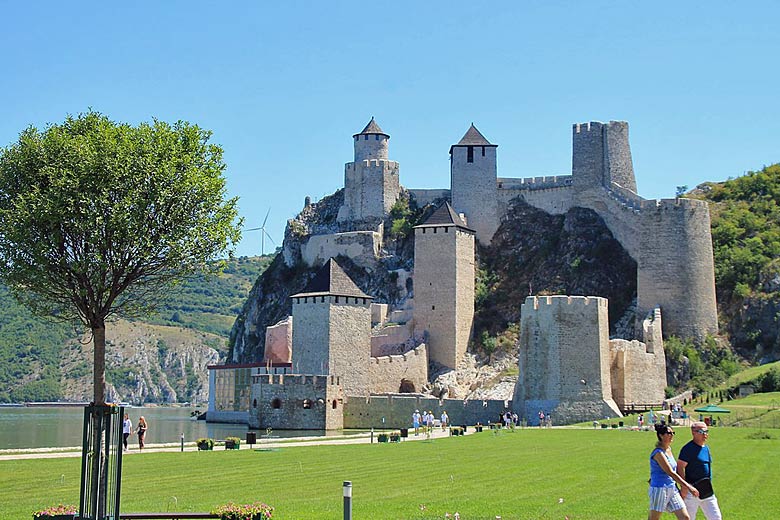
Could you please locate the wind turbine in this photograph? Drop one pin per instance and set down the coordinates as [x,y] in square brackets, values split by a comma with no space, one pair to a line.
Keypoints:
[263,233]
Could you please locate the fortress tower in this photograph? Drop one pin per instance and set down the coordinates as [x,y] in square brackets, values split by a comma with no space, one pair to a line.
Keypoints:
[601,156]
[371,184]
[564,359]
[473,183]
[444,285]
[332,329]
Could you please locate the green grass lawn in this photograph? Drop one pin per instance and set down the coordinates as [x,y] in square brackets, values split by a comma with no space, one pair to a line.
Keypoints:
[525,474]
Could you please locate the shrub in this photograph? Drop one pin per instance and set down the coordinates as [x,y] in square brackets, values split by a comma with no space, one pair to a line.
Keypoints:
[204,444]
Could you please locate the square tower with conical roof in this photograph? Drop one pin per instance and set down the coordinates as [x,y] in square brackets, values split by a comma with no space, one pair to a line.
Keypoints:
[473,183]
[332,332]
[371,184]
[444,285]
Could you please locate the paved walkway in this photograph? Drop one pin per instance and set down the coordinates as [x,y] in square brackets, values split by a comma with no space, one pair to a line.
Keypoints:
[273,443]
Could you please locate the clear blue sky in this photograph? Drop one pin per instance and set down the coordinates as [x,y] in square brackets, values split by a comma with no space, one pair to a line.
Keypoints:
[284,85]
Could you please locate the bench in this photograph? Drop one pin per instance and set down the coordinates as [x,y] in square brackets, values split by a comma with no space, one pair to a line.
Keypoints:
[166,516]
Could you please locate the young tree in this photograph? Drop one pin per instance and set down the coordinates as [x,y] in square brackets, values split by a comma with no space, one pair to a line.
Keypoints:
[98,217]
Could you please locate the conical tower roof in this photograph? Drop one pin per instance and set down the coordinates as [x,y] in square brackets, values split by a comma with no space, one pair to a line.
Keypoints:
[473,137]
[445,216]
[332,280]
[372,128]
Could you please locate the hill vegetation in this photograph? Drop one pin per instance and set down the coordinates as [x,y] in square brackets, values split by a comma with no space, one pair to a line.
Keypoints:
[746,244]
[36,354]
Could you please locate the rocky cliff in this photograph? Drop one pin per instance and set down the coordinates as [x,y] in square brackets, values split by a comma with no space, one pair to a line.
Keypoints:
[144,364]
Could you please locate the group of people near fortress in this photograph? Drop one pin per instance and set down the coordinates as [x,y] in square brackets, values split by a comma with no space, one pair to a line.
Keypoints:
[692,470]
[427,419]
[127,430]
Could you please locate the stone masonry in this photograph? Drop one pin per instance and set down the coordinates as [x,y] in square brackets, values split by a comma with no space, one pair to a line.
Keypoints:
[371,184]
[564,359]
[669,239]
[332,329]
[444,285]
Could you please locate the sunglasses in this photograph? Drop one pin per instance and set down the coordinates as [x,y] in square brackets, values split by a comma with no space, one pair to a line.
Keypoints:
[705,432]
[667,433]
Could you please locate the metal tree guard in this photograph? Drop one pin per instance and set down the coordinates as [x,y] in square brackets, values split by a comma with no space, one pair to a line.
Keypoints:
[101,463]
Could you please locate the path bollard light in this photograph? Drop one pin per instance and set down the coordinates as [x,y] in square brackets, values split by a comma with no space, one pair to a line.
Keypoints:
[182,441]
[347,500]
[372,436]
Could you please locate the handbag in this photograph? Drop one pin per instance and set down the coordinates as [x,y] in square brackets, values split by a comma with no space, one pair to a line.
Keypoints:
[704,486]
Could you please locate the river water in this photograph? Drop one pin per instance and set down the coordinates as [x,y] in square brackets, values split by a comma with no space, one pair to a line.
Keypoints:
[49,427]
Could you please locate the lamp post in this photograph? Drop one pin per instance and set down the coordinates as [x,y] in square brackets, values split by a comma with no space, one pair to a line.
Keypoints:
[347,500]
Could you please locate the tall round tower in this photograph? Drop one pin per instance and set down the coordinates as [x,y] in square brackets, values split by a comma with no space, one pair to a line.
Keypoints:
[371,143]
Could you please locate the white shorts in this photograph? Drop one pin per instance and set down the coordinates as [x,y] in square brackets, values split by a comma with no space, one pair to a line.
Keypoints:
[709,506]
[665,499]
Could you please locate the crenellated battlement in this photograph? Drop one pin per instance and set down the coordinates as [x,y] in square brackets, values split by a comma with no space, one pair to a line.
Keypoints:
[534,183]
[419,350]
[373,164]
[312,380]
[539,302]
[674,204]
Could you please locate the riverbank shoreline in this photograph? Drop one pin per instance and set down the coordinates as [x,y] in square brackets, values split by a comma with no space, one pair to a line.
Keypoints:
[261,445]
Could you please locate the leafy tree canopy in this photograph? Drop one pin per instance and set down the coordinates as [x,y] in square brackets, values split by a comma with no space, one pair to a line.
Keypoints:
[98,217]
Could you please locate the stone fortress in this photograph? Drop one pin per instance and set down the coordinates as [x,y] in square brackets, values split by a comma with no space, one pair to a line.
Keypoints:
[343,361]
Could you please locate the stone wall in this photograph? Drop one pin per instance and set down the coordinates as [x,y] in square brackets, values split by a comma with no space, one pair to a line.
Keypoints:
[370,146]
[332,336]
[378,314]
[423,197]
[564,359]
[296,402]
[371,187]
[362,247]
[397,411]
[669,239]
[675,268]
[386,372]
[390,335]
[444,290]
[350,344]
[311,335]
[638,375]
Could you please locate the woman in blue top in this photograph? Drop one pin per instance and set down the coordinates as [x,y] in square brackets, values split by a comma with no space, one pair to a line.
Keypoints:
[664,495]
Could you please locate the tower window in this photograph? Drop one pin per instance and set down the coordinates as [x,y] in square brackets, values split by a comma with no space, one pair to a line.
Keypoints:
[366,137]
[483,151]
[470,154]
[276,403]
[376,137]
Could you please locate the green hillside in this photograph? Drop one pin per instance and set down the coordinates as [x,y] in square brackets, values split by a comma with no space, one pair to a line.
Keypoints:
[31,348]
[746,245]
[211,303]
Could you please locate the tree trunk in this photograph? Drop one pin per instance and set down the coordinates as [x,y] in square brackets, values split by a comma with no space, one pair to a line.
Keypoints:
[99,374]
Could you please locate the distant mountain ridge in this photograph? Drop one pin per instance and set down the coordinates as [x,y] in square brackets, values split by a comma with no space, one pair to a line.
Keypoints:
[159,359]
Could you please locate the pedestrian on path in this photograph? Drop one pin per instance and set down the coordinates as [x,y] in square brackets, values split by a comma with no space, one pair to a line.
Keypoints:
[127,429]
[142,427]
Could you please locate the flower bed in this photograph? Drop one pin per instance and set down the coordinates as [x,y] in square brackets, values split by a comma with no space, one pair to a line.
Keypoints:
[58,512]
[255,511]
